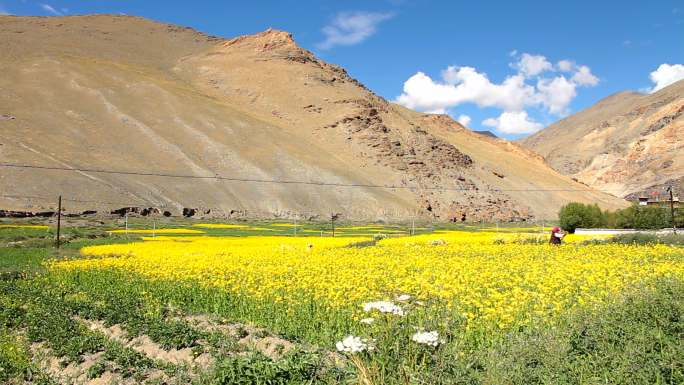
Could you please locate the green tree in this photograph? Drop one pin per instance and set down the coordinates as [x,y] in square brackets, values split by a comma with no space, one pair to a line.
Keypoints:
[643,217]
[652,217]
[575,215]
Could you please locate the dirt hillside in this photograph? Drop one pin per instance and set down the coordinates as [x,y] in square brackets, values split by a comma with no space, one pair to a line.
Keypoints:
[132,95]
[628,143]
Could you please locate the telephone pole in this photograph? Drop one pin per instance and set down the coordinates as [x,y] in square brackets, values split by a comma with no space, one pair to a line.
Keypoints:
[59,220]
[672,212]
[332,224]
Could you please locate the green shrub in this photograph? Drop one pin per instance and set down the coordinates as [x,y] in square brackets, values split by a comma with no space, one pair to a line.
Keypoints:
[296,368]
[643,217]
[648,239]
[575,215]
[637,238]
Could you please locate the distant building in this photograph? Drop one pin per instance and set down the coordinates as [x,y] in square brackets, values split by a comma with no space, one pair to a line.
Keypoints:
[657,201]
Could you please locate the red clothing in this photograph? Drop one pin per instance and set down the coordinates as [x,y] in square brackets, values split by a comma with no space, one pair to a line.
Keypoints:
[554,239]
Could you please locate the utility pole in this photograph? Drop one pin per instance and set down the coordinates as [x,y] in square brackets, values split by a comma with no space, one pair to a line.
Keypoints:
[59,220]
[672,212]
[332,224]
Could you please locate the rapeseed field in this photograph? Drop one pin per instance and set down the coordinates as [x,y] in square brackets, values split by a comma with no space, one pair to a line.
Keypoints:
[489,279]
[370,306]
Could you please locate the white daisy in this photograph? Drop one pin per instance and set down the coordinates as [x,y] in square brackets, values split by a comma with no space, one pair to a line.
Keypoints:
[352,344]
[427,338]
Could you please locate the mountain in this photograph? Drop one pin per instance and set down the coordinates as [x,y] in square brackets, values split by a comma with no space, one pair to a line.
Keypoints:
[487,133]
[628,143]
[256,125]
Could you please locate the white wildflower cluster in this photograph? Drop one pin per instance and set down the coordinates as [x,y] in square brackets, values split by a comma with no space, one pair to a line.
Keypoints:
[352,344]
[403,298]
[384,307]
[427,338]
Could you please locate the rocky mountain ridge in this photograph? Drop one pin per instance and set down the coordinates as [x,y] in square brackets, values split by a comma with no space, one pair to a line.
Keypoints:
[129,94]
[628,143]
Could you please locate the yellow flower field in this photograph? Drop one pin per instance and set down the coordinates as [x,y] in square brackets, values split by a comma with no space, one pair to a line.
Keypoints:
[15,226]
[219,226]
[157,231]
[487,277]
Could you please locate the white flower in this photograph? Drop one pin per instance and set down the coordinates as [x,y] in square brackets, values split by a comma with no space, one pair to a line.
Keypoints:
[383,307]
[352,344]
[367,321]
[427,338]
[403,298]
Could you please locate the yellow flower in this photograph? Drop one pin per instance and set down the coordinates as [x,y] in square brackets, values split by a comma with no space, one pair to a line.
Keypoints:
[488,282]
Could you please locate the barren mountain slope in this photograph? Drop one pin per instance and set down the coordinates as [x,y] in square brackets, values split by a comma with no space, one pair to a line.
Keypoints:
[128,94]
[626,143]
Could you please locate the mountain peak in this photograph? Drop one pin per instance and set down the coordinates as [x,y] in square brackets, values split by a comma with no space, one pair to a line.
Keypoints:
[268,40]
[625,143]
[254,108]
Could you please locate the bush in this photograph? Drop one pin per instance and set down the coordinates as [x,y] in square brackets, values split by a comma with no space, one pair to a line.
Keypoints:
[643,217]
[575,215]
[638,239]
[648,239]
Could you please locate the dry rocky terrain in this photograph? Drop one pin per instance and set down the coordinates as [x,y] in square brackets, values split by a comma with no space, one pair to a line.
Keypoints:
[627,144]
[132,95]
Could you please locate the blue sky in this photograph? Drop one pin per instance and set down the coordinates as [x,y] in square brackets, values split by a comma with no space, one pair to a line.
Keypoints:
[511,67]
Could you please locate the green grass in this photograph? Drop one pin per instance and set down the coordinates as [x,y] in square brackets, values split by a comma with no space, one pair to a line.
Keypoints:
[636,338]
[16,366]
[296,368]
[16,262]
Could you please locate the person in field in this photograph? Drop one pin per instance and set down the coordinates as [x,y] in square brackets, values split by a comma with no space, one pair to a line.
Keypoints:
[557,236]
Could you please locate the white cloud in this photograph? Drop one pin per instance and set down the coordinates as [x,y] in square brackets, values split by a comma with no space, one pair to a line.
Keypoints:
[582,74]
[665,75]
[532,65]
[423,94]
[349,28]
[513,123]
[584,77]
[464,120]
[556,94]
[466,85]
[48,8]
[475,87]
[565,65]
[550,93]
[463,85]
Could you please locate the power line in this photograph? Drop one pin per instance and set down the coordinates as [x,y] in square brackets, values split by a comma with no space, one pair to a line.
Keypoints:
[67,199]
[280,181]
